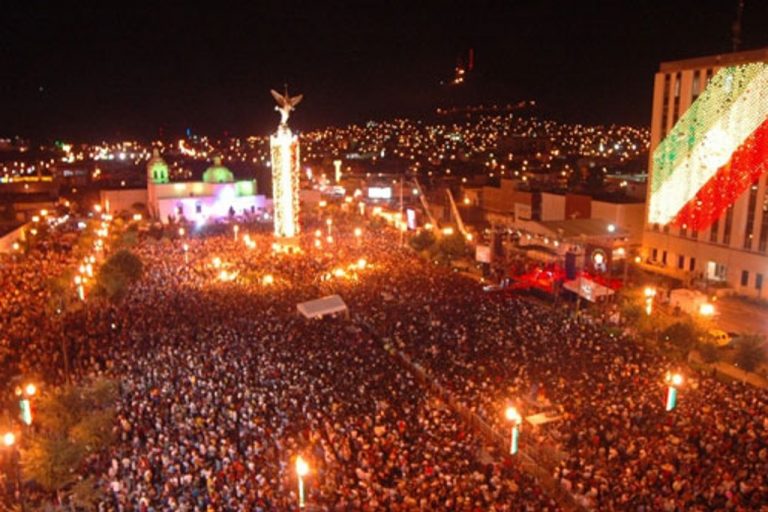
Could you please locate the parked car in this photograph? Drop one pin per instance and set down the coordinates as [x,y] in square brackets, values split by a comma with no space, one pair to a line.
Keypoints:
[719,338]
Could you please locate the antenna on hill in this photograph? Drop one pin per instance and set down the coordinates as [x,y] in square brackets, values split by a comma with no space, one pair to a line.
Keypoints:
[736,27]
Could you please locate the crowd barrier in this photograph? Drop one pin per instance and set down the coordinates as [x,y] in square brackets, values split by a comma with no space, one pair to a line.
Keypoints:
[533,459]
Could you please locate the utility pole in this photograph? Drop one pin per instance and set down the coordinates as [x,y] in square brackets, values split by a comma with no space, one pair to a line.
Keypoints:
[402,231]
[736,27]
[627,257]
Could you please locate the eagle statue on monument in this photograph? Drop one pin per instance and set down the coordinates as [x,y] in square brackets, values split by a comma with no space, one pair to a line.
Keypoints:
[285,105]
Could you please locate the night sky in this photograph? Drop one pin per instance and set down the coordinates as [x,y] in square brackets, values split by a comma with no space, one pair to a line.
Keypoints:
[128,70]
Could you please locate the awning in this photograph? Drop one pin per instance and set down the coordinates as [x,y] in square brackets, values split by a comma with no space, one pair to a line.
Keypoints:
[587,288]
[542,418]
[319,308]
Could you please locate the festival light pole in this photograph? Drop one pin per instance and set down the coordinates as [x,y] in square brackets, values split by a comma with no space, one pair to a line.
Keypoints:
[302,469]
[514,417]
[185,247]
[25,395]
[674,381]
[9,442]
[649,293]
[80,288]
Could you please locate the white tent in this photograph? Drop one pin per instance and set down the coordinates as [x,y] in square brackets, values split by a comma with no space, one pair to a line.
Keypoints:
[542,418]
[689,301]
[587,288]
[318,308]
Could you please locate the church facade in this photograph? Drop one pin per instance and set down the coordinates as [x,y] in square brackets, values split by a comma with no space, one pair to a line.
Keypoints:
[217,196]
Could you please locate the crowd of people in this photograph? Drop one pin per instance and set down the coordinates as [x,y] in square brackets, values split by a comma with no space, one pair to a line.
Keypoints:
[223,385]
[614,445]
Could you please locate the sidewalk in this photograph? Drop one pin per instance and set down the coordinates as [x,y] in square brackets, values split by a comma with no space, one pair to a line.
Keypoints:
[730,371]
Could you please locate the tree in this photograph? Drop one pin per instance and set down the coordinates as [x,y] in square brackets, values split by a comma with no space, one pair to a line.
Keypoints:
[750,352]
[126,263]
[682,335]
[448,249]
[119,271]
[71,422]
[86,494]
[423,240]
[708,352]
[50,462]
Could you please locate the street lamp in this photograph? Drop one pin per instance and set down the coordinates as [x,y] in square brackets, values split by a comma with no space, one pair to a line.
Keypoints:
[80,289]
[25,406]
[302,469]
[236,229]
[9,441]
[649,293]
[514,417]
[329,223]
[185,247]
[674,381]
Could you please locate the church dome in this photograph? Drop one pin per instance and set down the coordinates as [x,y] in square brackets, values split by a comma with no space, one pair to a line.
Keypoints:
[217,173]
[157,169]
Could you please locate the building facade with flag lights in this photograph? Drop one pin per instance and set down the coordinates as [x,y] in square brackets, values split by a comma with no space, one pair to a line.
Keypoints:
[706,217]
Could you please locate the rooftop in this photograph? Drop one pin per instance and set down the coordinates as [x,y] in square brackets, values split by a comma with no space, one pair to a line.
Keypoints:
[724,59]
[574,228]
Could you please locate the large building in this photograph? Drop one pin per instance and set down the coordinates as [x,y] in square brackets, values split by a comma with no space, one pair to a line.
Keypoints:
[707,207]
[217,196]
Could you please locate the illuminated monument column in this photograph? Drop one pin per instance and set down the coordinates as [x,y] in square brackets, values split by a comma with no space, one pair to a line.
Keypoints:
[285,182]
[285,170]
